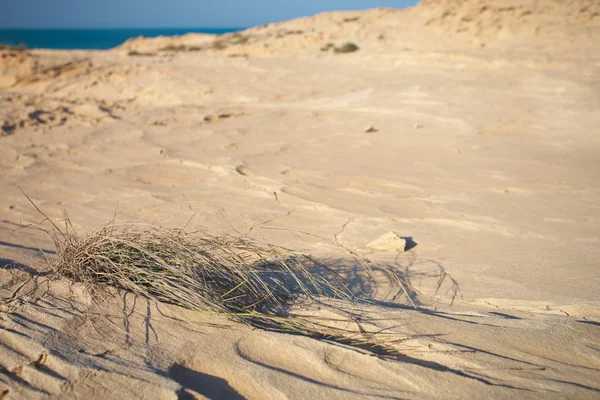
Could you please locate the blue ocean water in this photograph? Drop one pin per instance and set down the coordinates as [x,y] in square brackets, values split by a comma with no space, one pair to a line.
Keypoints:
[98,39]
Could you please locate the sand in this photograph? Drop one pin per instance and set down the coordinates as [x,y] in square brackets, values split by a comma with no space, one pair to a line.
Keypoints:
[483,156]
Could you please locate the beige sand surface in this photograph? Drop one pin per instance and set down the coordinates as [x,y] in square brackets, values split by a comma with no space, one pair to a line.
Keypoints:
[485,152]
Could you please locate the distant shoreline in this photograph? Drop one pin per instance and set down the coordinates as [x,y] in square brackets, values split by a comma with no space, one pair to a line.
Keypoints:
[91,39]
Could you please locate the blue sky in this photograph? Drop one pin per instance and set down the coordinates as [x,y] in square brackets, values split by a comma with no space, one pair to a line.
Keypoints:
[169,13]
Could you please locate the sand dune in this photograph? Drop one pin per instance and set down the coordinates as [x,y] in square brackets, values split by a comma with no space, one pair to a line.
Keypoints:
[509,27]
[483,156]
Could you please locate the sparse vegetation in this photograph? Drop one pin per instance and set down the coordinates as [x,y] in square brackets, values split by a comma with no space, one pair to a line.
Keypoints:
[140,53]
[230,40]
[181,48]
[226,275]
[229,275]
[238,38]
[219,44]
[283,33]
[20,48]
[173,47]
[346,48]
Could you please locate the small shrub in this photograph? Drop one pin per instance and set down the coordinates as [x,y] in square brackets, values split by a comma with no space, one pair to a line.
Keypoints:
[347,48]
[256,283]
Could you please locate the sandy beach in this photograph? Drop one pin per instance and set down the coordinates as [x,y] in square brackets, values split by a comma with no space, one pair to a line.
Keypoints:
[470,129]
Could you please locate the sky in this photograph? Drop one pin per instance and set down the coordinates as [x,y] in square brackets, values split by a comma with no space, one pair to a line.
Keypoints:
[170,13]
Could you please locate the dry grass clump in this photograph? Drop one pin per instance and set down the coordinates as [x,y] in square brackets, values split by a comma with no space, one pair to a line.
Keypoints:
[254,283]
[231,275]
[222,274]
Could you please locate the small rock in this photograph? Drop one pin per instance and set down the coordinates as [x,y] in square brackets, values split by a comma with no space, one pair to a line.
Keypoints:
[388,242]
[419,126]
[243,170]
[370,129]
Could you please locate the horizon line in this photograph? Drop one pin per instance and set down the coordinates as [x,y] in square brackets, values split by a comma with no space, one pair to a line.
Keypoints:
[128,27]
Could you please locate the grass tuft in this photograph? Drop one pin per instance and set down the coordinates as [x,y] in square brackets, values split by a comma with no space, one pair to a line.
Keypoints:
[256,283]
[227,275]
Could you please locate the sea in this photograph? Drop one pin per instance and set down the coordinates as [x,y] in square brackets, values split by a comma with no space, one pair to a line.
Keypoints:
[90,39]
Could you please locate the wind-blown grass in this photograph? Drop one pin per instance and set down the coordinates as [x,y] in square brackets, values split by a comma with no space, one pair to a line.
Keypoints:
[221,274]
[230,275]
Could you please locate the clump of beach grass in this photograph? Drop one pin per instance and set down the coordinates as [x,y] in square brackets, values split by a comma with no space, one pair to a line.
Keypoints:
[227,274]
